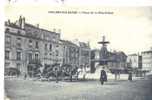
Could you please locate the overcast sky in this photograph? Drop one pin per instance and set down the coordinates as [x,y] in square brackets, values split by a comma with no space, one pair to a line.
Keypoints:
[128,29]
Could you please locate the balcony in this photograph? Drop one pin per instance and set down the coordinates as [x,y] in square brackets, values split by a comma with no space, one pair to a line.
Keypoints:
[35,61]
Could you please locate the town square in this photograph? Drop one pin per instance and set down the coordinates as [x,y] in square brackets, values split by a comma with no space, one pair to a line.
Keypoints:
[77,56]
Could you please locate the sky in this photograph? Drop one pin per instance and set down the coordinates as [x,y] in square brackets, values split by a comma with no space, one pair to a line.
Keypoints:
[127,28]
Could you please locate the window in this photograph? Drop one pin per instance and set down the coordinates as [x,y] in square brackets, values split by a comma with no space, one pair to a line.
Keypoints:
[30,43]
[36,56]
[36,45]
[7,64]
[18,57]
[50,47]
[45,47]
[18,42]
[57,53]
[18,66]
[7,30]
[19,45]
[18,39]
[30,56]
[8,39]
[77,50]
[7,54]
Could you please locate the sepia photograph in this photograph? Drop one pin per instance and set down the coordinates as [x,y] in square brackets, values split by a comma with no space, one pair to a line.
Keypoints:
[77,52]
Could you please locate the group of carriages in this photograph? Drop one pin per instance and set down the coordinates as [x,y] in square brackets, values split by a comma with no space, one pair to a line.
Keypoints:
[55,72]
[48,72]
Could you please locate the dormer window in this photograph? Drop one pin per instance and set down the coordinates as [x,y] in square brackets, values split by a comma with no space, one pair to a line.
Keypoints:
[18,56]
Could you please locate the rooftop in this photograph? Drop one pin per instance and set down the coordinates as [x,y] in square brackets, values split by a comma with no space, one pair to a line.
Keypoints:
[30,25]
[66,42]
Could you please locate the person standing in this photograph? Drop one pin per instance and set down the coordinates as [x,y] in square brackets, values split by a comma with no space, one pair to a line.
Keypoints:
[116,73]
[130,76]
[103,76]
[25,76]
[56,74]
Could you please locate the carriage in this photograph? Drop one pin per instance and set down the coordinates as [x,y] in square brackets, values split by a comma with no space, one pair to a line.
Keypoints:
[58,72]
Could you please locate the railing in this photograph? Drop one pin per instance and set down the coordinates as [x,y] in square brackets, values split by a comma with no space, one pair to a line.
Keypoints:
[35,61]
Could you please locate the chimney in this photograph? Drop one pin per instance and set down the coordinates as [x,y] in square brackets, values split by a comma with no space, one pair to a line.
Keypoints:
[9,22]
[23,23]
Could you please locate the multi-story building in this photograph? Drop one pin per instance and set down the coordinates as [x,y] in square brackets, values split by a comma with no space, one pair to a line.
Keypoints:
[147,60]
[70,53]
[14,47]
[117,60]
[26,44]
[84,54]
[134,61]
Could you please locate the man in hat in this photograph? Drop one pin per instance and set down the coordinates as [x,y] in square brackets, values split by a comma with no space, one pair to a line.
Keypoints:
[103,76]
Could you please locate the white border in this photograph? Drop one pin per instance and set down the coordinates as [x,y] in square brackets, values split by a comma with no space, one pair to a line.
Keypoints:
[57,2]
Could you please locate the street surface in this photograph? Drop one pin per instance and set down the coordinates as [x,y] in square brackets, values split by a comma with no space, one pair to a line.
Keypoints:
[19,89]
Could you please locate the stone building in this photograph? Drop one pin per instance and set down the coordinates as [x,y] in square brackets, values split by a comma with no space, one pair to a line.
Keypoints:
[134,61]
[117,61]
[147,60]
[70,52]
[84,54]
[14,46]
[26,44]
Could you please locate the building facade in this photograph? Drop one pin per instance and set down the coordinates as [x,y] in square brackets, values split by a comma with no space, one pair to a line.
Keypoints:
[14,49]
[26,44]
[147,60]
[134,61]
[84,55]
[117,60]
[70,52]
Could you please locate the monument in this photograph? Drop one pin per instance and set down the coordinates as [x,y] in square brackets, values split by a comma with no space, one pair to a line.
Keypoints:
[100,57]
[103,54]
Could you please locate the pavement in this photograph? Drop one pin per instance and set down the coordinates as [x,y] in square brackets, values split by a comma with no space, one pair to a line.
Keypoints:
[138,89]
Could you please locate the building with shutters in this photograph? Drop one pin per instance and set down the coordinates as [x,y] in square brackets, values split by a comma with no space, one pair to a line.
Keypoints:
[134,61]
[70,52]
[26,44]
[147,60]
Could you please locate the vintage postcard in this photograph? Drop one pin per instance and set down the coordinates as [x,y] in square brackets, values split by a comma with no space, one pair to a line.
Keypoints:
[59,50]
